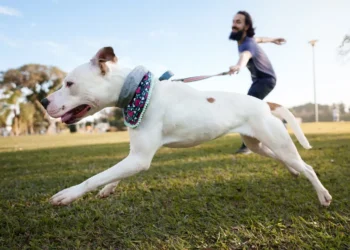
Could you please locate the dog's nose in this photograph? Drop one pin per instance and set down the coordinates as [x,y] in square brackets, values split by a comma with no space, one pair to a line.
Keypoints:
[45,102]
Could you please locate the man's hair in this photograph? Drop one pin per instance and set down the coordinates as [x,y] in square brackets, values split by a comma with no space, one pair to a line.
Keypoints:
[248,21]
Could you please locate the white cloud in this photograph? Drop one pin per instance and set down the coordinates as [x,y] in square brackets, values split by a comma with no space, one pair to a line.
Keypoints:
[9,11]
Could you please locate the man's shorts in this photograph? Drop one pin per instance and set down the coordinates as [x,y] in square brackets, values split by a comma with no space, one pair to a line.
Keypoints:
[262,87]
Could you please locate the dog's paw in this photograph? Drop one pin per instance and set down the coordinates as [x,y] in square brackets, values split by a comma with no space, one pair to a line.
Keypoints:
[67,196]
[325,198]
[107,190]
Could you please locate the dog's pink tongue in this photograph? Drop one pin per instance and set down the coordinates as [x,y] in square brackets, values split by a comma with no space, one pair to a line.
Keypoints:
[66,117]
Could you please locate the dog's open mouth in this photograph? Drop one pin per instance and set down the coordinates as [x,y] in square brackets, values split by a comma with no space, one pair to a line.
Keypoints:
[75,114]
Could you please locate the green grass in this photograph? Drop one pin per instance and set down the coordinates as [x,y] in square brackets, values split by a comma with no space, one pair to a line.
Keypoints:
[195,198]
[20,143]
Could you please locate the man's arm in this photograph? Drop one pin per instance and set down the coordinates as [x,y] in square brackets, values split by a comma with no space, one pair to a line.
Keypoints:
[242,62]
[278,41]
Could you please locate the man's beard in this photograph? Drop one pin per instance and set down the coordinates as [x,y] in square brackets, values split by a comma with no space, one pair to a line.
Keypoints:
[236,36]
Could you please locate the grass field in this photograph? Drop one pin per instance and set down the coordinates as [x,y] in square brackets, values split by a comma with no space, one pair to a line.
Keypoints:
[195,198]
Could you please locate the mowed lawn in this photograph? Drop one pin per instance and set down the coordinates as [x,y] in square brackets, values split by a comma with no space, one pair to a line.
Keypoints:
[194,198]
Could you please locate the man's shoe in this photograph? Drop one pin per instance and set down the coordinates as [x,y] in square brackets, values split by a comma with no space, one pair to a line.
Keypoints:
[243,150]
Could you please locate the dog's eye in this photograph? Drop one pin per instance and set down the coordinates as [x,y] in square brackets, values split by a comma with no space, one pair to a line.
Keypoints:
[69,84]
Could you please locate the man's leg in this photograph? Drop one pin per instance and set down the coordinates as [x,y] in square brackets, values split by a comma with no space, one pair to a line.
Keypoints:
[259,89]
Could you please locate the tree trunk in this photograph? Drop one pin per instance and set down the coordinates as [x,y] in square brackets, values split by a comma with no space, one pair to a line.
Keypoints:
[52,124]
[24,129]
[23,126]
[31,128]
[16,126]
[43,111]
[52,127]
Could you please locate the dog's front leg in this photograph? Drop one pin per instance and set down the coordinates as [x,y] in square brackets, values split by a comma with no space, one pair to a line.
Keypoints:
[131,165]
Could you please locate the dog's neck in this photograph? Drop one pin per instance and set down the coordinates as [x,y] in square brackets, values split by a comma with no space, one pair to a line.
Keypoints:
[117,77]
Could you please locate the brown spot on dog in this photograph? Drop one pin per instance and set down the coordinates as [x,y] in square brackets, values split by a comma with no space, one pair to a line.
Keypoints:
[106,54]
[210,99]
[103,68]
[273,106]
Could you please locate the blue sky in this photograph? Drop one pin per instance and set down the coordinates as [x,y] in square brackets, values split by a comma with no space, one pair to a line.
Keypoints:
[188,37]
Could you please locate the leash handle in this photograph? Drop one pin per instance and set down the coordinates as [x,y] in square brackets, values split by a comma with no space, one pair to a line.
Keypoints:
[199,78]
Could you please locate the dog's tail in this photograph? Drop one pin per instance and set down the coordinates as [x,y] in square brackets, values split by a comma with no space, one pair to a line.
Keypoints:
[283,113]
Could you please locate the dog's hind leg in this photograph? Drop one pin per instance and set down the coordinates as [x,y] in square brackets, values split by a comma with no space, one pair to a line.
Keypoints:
[272,133]
[141,154]
[257,147]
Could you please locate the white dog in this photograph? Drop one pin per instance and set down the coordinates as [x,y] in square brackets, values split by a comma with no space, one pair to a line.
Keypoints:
[174,115]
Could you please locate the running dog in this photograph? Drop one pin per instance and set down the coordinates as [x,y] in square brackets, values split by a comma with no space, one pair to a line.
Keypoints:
[171,114]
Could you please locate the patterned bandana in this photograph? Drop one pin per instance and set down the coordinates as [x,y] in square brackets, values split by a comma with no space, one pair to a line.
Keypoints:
[134,111]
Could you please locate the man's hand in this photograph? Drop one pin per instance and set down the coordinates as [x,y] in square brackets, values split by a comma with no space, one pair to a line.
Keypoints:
[234,69]
[279,41]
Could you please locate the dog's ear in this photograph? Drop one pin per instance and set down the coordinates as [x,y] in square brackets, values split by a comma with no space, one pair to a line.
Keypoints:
[106,54]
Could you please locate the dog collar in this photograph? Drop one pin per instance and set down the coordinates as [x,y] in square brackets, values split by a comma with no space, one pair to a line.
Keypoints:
[130,85]
[136,96]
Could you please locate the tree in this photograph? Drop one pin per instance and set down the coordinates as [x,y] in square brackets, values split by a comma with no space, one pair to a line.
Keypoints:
[38,81]
[306,112]
[10,106]
[27,111]
[118,119]
[3,116]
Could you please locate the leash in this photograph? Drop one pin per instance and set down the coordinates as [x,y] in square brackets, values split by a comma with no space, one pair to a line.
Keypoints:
[168,74]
